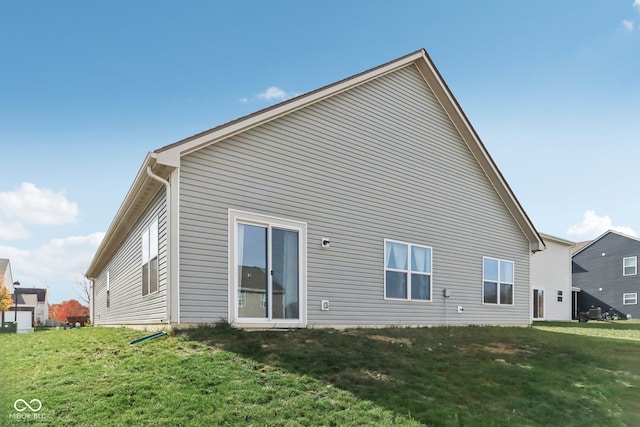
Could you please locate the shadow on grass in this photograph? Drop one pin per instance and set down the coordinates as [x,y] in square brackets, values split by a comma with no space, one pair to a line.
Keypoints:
[436,376]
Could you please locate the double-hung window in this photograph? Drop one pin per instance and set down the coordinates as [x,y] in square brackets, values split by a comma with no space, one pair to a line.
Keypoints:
[630,266]
[407,271]
[630,298]
[497,277]
[150,259]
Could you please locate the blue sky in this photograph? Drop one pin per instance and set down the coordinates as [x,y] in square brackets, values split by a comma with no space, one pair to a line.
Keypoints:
[88,88]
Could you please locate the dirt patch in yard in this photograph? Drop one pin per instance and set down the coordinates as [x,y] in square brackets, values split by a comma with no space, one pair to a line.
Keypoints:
[393,340]
[500,348]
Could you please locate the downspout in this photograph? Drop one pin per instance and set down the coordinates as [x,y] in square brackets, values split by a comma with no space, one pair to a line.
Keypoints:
[167,186]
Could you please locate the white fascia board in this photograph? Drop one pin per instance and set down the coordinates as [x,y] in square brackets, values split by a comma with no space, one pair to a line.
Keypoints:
[287,107]
[546,236]
[138,184]
[168,158]
[479,151]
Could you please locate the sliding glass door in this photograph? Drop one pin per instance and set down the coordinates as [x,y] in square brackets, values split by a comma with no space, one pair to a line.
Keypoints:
[268,272]
[538,304]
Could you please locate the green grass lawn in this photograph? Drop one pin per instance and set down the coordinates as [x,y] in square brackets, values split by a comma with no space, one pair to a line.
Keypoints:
[553,374]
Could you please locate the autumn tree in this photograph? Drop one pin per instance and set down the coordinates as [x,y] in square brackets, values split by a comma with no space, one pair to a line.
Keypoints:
[70,308]
[53,308]
[6,300]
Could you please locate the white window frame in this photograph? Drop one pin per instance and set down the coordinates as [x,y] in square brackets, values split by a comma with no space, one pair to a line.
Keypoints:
[635,265]
[499,282]
[408,272]
[560,296]
[635,297]
[241,217]
[150,245]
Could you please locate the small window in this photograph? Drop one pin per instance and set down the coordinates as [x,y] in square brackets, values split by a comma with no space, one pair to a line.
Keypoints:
[630,266]
[560,296]
[108,290]
[407,271]
[629,299]
[497,277]
[150,259]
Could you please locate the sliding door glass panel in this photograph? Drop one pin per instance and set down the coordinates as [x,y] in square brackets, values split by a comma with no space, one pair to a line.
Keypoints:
[252,297]
[284,262]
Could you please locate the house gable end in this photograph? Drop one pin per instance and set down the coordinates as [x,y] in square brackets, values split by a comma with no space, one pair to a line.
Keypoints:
[382,160]
[420,59]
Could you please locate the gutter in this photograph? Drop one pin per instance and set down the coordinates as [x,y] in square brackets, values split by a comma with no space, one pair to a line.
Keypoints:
[167,186]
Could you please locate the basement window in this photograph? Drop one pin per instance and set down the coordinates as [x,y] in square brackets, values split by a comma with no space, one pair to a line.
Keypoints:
[150,259]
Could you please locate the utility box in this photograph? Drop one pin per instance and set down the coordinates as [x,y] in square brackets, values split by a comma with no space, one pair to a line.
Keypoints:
[8,327]
[595,313]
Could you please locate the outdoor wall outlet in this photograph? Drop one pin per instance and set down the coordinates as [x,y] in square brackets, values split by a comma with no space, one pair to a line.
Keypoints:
[460,309]
[326,242]
[325,305]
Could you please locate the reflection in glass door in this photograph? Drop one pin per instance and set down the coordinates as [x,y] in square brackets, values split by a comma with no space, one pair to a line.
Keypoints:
[268,272]
[538,303]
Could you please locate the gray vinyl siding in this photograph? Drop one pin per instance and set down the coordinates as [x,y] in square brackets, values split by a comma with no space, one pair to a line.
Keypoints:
[381,160]
[593,271]
[127,304]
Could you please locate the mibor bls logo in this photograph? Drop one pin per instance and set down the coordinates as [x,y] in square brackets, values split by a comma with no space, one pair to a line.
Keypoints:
[21,405]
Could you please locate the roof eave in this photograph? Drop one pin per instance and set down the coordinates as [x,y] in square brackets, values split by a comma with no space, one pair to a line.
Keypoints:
[174,151]
[451,106]
[137,200]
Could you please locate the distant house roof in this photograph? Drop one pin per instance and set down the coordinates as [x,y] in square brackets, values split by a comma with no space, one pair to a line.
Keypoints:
[27,299]
[40,293]
[557,239]
[578,246]
[163,161]
[586,244]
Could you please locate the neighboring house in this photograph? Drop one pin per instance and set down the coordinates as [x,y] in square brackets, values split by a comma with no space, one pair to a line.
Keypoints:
[38,300]
[6,277]
[6,280]
[362,203]
[606,271]
[552,294]
[33,308]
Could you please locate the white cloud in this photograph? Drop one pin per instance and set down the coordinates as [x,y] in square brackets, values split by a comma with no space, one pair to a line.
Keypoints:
[628,25]
[593,225]
[58,264]
[29,204]
[272,94]
[636,3]
[13,231]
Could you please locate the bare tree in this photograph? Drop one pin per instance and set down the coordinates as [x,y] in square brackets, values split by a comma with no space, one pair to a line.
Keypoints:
[83,290]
